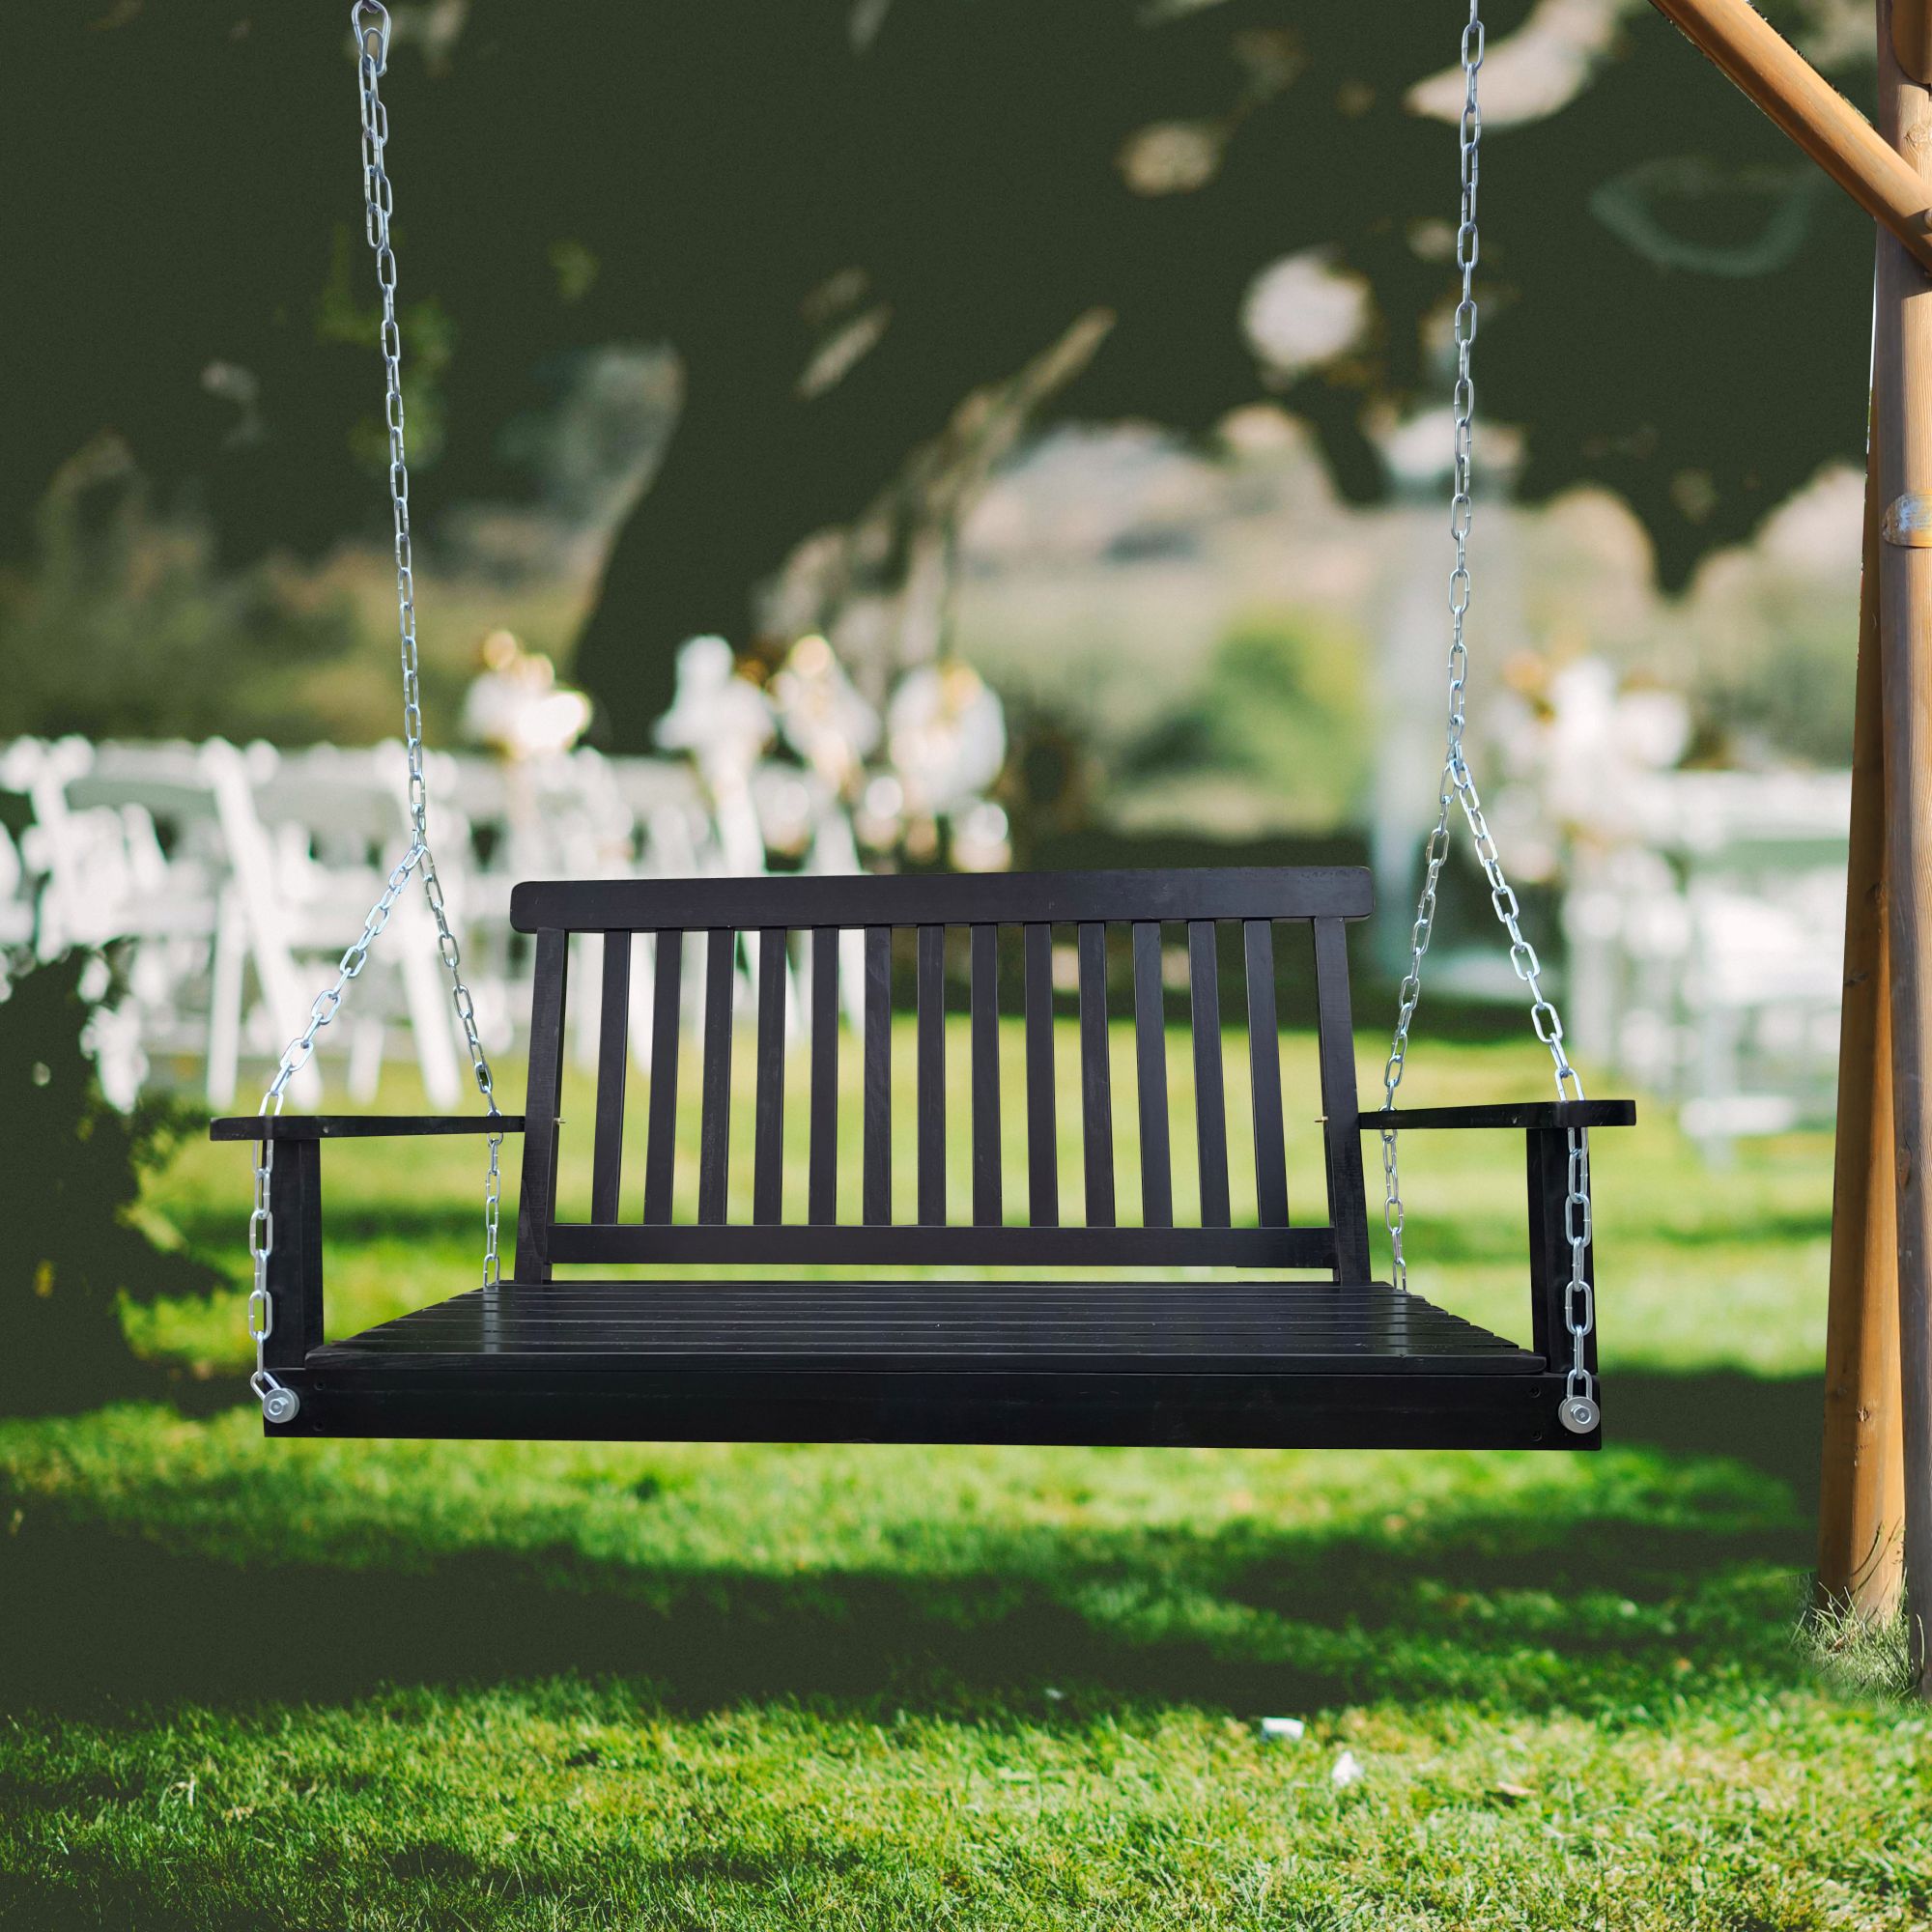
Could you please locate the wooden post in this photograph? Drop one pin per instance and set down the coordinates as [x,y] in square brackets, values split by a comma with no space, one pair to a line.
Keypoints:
[1902,397]
[1862,1500]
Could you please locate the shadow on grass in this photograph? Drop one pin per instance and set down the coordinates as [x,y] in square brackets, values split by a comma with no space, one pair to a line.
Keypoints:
[1595,1597]
[1770,1422]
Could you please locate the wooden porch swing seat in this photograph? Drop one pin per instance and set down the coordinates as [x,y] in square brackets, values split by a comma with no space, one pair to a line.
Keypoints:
[1305,1349]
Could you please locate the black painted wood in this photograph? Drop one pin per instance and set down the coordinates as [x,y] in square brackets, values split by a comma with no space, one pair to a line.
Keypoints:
[1096,1091]
[1150,1071]
[294,1259]
[1264,1076]
[823,1159]
[661,1143]
[1404,1409]
[357,1126]
[1548,1151]
[1347,1200]
[613,1060]
[931,1071]
[983,992]
[1524,1114]
[714,1129]
[1210,1101]
[877,1205]
[1275,1361]
[536,1197]
[906,1244]
[928,899]
[1042,1112]
[768,1122]
[993,1327]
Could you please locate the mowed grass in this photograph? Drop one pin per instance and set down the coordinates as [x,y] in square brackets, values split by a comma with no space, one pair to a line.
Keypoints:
[407,1685]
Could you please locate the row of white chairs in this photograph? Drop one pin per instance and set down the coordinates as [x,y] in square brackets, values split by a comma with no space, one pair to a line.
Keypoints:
[230,878]
[1705,945]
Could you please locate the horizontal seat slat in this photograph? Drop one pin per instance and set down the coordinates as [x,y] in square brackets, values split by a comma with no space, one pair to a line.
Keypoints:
[1041,1327]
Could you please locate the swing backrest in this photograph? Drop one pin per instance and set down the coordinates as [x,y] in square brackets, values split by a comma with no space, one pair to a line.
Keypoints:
[665,953]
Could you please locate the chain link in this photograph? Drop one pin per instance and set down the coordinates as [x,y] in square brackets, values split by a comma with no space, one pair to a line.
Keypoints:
[1458,790]
[370,21]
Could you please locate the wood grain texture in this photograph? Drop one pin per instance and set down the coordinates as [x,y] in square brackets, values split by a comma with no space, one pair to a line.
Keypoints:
[1861,1489]
[1902,410]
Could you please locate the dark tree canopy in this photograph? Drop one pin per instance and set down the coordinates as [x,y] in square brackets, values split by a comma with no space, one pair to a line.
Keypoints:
[1671,307]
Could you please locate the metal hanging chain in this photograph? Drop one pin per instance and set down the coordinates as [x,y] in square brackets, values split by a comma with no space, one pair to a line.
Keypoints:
[370,21]
[1578,1411]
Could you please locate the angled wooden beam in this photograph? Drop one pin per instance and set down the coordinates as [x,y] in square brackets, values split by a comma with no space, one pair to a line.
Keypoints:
[1775,77]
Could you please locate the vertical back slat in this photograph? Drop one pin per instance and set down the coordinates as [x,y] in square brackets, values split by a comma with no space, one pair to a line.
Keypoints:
[1210,1106]
[1097,1093]
[1347,1202]
[614,1060]
[988,1203]
[768,1117]
[536,1198]
[661,1144]
[714,1133]
[823,1201]
[1151,1067]
[931,1101]
[1042,1126]
[1264,1075]
[878,1190]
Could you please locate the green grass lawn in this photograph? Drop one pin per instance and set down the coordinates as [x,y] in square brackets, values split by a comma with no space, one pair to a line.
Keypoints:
[352,1684]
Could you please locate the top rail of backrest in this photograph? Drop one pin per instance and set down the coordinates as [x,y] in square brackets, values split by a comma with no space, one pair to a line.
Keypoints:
[804,900]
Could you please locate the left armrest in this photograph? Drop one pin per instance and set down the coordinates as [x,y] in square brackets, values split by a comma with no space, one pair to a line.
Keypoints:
[1522,1114]
[357,1126]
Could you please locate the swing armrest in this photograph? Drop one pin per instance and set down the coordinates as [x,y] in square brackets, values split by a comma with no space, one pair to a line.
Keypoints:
[357,1126]
[1524,1114]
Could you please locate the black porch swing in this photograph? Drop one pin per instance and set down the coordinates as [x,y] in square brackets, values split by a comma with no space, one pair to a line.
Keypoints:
[1334,1358]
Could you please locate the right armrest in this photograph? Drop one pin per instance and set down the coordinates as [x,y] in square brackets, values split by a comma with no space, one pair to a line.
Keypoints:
[1529,1115]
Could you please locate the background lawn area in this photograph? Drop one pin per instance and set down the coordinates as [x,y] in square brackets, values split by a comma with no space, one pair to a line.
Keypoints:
[396,1685]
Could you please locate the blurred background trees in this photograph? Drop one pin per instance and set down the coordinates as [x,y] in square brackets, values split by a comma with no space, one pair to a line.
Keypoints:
[721,318]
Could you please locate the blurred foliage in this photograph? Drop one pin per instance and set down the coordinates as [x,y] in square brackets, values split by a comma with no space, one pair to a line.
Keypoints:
[1281,709]
[74,1248]
[846,220]
[124,625]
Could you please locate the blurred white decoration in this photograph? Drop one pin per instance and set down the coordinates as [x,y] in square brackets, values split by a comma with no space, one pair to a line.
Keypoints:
[880,817]
[726,723]
[823,715]
[1534,71]
[1347,1770]
[1283,1730]
[1587,752]
[1704,910]
[1303,311]
[788,806]
[946,735]
[515,706]
[1173,157]
[980,838]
